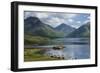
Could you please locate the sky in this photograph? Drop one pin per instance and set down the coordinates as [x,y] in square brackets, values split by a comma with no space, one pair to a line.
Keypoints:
[54,19]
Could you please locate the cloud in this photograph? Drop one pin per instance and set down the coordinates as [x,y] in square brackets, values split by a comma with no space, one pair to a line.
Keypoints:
[88,17]
[49,14]
[36,14]
[78,22]
[71,20]
[86,21]
[70,15]
[55,19]
[42,15]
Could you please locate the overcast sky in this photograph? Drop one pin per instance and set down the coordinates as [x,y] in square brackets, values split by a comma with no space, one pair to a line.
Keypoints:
[56,18]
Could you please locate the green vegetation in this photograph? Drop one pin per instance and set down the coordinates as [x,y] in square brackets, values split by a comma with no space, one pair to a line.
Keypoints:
[47,32]
[37,40]
[83,31]
[37,33]
[33,26]
[37,55]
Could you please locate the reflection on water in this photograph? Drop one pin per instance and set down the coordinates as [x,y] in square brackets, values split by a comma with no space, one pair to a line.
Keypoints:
[80,49]
[66,41]
[77,51]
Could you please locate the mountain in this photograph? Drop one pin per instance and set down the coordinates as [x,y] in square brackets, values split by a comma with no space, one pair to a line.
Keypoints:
[65,28]
[33,26]
[82,31]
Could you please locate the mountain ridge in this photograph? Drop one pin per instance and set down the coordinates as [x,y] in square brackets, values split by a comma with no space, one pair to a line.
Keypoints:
[82,31]
[65,28]
[33,26]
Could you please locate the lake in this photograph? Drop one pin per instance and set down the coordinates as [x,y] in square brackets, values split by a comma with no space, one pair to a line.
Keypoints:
[75,48]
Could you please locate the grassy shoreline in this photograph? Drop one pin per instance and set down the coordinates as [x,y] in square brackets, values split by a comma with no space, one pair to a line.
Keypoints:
[35,54]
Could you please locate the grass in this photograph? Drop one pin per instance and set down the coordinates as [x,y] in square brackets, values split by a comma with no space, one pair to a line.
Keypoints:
[37,55]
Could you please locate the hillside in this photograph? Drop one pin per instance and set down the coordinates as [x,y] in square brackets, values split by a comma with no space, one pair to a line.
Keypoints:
[66,29]
[33,26]
[83,31]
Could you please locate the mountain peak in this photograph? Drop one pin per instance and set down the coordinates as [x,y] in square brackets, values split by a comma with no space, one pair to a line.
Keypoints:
[65,28]
[32,20]
[35,27]
[82,31]
[63,25]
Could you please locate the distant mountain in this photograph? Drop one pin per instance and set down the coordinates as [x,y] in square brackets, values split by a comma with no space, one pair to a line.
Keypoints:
[65,28]
[83,31]
[33,26]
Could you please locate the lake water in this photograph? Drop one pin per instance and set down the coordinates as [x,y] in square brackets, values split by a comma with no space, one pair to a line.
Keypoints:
[75,48]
